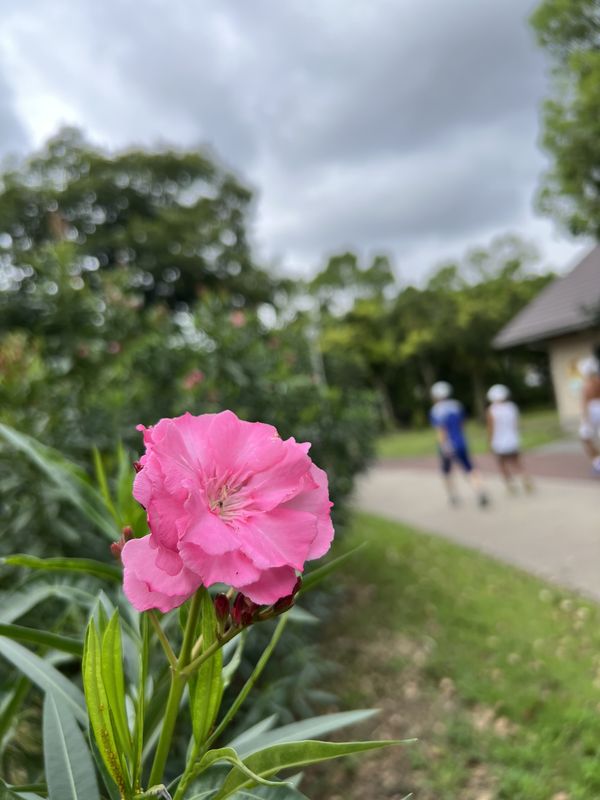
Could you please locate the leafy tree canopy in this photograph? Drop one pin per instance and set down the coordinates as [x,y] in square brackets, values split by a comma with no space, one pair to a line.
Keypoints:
[173,222]
[570,31]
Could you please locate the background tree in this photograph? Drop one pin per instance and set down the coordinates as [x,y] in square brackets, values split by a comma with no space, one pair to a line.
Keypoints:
[174,222]
[569,30]
[400,342]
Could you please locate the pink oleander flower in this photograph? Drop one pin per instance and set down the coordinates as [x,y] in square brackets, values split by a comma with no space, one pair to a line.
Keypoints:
[193,378]
[228,501]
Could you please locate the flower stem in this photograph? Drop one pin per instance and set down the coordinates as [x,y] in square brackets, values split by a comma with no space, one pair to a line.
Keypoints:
[178,681]
[166,645]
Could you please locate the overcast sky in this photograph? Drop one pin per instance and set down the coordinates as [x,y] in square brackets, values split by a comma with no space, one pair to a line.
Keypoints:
[408,126]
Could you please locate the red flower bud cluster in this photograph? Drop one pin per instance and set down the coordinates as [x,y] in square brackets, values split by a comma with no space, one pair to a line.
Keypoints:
[243,611]
[116,548]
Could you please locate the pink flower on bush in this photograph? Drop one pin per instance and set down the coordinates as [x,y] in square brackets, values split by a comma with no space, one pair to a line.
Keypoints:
[237,319]
[193,378]
[228,502]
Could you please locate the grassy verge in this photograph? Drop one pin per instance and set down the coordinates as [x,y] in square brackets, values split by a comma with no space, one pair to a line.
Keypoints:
[496,672]
[537,428]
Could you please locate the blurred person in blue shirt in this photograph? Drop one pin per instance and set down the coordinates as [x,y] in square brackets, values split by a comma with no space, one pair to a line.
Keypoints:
[447,416]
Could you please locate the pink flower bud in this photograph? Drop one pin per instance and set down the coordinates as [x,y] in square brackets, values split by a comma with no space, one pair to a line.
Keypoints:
[127,533]
[138,466]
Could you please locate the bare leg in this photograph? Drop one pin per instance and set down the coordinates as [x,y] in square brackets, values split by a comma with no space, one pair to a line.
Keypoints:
[590,449]
[518,468]
[505,469]
[450,484]
[474,478]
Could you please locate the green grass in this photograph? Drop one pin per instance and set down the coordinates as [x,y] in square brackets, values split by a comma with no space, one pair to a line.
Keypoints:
[507,642]
[537,428]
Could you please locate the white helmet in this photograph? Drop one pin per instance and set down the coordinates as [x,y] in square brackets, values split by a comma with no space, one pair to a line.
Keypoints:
[441,390]
[588,366]
[498,393]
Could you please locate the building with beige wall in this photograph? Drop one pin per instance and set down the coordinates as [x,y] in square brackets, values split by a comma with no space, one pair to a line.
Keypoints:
[564,319]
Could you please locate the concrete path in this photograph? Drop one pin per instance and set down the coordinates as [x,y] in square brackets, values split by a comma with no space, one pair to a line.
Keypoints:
[554,533]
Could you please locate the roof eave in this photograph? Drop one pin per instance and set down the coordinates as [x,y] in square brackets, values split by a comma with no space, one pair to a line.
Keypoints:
[554,333]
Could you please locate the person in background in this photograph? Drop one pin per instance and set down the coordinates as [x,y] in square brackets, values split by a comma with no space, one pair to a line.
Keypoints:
[447,417]
[504,437]
[589,431]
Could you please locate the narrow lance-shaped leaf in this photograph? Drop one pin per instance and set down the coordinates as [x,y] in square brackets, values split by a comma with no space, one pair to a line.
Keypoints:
[44,675]
[207,688]
[291,756]
[98,710]
[8,793]
[282,792]
[17,604]
[315,576]
[103,484]
[84,566]
[299,731]
[67,477]
[114,682]
[22,634]
[69,768]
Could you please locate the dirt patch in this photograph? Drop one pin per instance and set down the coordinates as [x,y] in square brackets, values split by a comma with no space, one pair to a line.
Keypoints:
[389,673]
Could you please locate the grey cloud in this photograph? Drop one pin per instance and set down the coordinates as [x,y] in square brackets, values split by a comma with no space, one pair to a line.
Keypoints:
[13,139]
[386,122]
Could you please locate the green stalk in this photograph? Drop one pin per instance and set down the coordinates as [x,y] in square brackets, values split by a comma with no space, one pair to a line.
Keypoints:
[248,686]
[166,645]
[197,751]
[176,690]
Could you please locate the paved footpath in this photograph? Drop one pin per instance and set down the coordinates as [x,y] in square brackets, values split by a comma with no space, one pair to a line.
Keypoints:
[553,533]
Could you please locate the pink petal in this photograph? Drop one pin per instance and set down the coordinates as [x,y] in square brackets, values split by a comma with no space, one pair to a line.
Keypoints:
[281,537]
[233,568]
[146,585]
[241,448]
[272,585]
[282,481]
[314,499]
[207,529]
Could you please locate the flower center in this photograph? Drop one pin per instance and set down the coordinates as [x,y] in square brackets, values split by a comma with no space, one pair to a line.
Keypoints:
[227,502]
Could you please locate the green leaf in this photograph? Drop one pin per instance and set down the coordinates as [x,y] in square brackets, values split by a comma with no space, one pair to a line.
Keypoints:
[311,579]
[103,484]
[45,676]
[228,754]
[282,792]
[241,742]
[303,730]
[292,755]
[140,701]
[98,708]
[8,793]
[86,566]
[17,604]
[206,690]
[23,634]
[72,483]
[68,764]
[114,682]
[234,662]
[11,704]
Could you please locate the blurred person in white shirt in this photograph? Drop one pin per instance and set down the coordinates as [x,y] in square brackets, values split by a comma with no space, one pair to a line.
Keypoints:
[504,437]
[589,431]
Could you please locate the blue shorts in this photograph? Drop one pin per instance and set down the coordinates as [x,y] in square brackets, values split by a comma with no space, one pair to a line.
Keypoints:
[458,454]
